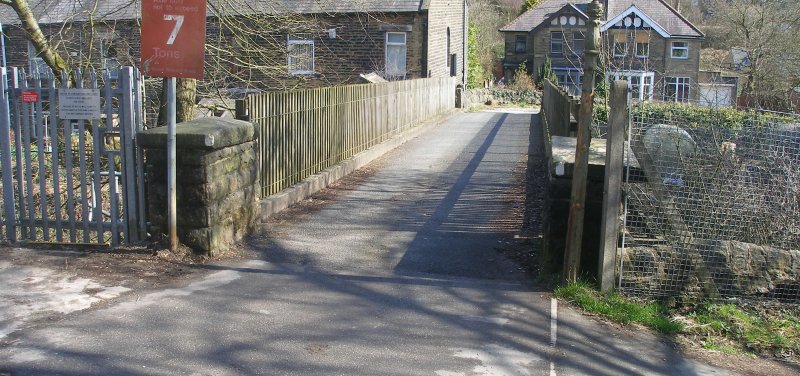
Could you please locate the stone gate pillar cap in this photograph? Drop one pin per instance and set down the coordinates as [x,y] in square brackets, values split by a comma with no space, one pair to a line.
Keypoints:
[202,133]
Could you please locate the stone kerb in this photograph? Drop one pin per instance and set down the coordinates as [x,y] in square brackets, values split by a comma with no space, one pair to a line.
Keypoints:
[217,181]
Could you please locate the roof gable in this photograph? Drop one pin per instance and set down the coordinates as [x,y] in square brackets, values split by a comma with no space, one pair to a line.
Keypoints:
[659,12]
[659,15]
[640,19]
[535,16]
[569,15]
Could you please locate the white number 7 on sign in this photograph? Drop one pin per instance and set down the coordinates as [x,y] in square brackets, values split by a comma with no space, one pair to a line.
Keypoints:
[178,23]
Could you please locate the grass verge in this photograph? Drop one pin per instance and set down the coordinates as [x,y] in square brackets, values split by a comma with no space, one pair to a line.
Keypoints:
[751,329]
[618,308]
[738,329]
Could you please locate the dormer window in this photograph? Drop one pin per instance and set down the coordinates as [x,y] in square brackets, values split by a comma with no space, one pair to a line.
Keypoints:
[680,50]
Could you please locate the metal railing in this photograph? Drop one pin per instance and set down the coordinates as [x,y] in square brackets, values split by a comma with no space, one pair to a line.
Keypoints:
[306,131]
[60,140]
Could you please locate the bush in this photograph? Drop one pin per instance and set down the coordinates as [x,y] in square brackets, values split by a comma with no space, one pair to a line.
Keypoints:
[522,80]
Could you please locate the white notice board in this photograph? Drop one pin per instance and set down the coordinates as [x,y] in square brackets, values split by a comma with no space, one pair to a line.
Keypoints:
[79,104]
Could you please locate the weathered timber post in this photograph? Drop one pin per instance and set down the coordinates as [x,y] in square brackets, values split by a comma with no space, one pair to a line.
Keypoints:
[612,180]
[572,256]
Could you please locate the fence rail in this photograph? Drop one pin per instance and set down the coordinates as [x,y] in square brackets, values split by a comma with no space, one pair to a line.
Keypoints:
[306,131]
[558,107]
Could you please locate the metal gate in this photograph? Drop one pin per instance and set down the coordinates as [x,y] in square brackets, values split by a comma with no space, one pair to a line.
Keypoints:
[71,169]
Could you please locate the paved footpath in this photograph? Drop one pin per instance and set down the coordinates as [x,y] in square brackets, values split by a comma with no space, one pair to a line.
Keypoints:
[403,275]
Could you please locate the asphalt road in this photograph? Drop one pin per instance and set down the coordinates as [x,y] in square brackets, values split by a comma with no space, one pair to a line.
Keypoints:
[405,274]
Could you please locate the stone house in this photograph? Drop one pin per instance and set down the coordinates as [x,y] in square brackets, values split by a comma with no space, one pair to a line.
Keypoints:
[265,45]
[646,42]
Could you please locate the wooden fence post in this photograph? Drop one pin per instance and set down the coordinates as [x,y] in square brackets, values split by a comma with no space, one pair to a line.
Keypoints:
[572,253]
[612,184]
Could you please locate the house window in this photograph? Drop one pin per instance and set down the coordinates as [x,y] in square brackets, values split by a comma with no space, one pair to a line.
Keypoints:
[301,55]
[642,50]
[520,44]
[556,43]
[578,43]
[620,45]
[108,54]
[640,83]
[635,86]
[395,55]
[676,89]
[680,50]
[647,87]
[571,79]
[447,53]
[36,63]
[642,46]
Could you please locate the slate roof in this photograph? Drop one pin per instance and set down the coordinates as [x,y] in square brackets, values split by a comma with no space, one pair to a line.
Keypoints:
[664,15]
[59,11]
[532,18]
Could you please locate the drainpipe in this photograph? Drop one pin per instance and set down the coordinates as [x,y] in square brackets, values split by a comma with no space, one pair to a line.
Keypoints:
[465,46]
[3,43]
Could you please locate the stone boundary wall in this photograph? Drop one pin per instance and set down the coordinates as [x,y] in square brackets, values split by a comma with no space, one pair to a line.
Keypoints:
[737,269]
[476,97]
[493,96]
[217,181]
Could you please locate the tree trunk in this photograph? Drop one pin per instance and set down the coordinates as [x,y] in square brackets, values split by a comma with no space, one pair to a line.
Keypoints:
[185,93]
[46,52]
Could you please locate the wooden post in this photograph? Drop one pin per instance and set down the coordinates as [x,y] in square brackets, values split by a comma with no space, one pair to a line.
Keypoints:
[612,184]
[572,256]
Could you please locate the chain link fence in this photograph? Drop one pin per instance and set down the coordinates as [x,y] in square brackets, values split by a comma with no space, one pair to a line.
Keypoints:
[712,207]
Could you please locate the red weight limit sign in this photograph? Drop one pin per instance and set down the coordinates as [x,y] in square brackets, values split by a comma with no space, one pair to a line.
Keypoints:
[173,38]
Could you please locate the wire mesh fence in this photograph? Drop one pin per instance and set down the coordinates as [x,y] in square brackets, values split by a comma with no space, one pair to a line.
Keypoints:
[712,207]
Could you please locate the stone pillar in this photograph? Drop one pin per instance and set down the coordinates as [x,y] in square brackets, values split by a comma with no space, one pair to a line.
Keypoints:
[217,181]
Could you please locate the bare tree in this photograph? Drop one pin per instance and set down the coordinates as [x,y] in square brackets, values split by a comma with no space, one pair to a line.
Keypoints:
[768,31]
[246,45]
[35,35]
[486,17]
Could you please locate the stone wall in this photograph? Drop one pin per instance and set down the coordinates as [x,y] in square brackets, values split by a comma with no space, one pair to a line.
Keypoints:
[444,15]
[217,181]
[496,96]
[555,216]
[476,97]
[738,269]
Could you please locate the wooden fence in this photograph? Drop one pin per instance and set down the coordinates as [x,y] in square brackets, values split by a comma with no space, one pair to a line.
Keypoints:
[306,131]
[557,106]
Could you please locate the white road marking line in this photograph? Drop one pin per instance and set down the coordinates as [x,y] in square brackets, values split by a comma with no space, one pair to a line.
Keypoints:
[553,331]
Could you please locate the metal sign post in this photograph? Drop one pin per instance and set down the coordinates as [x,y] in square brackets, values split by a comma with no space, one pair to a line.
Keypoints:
[173,45]
[172,206]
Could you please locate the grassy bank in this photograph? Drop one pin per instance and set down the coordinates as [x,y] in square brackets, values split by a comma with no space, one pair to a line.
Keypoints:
[754,329]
